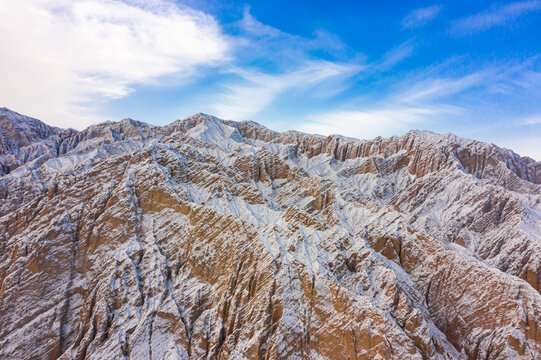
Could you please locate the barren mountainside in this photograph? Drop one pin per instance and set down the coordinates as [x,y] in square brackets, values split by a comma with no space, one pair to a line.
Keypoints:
[213,239]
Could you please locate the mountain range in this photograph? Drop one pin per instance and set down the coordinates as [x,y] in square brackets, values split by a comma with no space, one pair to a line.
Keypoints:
[215,239]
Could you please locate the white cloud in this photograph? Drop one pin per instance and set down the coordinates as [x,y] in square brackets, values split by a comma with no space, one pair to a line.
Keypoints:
[289,67]
[430,89]
[59,57]
[257,90]
[264,41]
[430,100]
[420,17]
[252,26]
[413,103]
[394,56]
[495,16]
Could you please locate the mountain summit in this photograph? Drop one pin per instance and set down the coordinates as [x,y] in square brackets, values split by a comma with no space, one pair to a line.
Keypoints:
[214,239]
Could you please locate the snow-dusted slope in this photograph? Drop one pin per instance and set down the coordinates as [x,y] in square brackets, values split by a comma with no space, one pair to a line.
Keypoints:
[216,239]
[24,139]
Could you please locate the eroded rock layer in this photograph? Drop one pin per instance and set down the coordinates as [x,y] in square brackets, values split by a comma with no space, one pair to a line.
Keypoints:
[212,239]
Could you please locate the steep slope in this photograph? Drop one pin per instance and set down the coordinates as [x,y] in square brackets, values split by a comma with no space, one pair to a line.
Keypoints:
[216,239]
[18,130]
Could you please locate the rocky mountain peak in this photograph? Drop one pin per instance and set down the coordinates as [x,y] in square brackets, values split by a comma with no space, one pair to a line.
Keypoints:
[17,130]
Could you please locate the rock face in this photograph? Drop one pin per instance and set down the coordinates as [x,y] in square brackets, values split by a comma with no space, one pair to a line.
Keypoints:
[212,239]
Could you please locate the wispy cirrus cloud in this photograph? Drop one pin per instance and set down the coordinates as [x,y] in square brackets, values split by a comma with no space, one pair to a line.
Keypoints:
[440,87]
[434,95]
[394,56]
[256,90]
[411,104]
[280,46]
[251,25]
[420,17]
[497,15]
[64,54]
[289,66]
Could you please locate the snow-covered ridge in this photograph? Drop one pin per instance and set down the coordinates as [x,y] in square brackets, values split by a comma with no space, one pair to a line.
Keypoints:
[526,168]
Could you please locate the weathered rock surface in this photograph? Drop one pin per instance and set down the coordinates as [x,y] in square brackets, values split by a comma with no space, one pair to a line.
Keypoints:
[212,239]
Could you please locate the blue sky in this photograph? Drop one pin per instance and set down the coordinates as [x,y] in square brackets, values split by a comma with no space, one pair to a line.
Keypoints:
[361,69]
